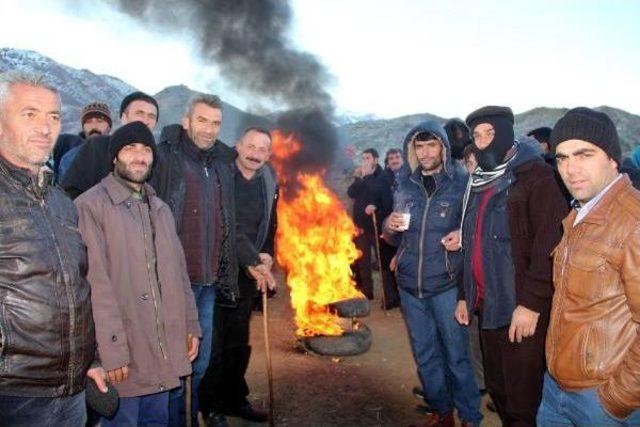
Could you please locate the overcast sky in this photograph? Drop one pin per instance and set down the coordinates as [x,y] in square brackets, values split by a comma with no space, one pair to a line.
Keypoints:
[388,58]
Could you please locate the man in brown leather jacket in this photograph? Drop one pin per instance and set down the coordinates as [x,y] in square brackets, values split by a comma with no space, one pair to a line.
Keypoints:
[593,341]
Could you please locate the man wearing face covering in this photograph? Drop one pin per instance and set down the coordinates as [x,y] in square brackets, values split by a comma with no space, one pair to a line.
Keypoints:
[512,214]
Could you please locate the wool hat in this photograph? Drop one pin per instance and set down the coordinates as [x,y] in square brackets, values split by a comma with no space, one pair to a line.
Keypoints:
[138,96]
[487,114]
[134,132]
[588,125]
[96,109]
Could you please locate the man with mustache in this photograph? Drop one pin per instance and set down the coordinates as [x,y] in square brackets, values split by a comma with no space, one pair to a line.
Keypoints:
[593,343]
[95,120]
[432,190]
[193,176]
[512,213]
[146,320]
[224,390]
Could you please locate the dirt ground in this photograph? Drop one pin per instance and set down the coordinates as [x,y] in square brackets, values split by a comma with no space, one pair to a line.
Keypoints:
[372,389]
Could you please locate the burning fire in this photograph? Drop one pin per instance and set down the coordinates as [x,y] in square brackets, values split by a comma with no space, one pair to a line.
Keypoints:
[314,245]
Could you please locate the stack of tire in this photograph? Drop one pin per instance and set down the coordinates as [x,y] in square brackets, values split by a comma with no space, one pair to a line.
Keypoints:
[353,341]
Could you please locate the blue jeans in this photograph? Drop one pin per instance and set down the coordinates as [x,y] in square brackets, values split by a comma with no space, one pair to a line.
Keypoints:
[150,410]
[205,297]
[579,408]
[43,411]
[441,350]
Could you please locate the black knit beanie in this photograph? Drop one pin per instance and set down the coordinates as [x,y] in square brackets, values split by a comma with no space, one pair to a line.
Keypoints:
[501,118]
[138,96]
[590,126]
[134,132]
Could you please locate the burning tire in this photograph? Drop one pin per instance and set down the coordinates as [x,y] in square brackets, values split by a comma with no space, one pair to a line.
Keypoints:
[351,343]
[352,307]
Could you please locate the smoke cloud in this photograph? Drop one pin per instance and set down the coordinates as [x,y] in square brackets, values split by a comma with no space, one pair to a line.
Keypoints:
[248,41]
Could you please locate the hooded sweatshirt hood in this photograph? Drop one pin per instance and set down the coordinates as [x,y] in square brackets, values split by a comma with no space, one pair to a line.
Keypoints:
[409,152]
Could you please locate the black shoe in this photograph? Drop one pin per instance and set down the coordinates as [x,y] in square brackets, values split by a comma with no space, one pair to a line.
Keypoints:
[216,419]
[249,413]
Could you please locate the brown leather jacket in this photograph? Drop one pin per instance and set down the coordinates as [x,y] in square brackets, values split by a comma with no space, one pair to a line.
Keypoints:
[594,335]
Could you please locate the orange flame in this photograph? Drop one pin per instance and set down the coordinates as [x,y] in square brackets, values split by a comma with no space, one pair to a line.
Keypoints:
[314,245]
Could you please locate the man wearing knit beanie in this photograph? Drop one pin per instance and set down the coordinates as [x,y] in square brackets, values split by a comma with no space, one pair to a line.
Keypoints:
[95,120]
[593,342]
[511,222]
[143,307]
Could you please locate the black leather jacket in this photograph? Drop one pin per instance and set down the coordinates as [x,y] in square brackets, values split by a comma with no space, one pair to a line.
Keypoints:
[46,327]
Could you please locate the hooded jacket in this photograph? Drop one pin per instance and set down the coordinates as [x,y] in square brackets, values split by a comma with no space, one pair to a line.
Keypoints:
[424,267]
[522,225]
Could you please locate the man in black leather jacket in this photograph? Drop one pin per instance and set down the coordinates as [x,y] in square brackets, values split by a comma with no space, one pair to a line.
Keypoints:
[46,328]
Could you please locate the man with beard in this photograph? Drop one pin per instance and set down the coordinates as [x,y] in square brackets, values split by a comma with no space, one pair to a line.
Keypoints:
[95,120]
[512,221]
[224,390]
[194,177]
[381,202]
[91,163]
[360,190]
[143,306]
[432,195]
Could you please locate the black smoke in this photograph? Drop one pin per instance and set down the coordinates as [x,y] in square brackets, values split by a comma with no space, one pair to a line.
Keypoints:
[247,40]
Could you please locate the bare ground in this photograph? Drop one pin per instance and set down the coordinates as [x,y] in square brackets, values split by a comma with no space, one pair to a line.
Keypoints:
[372,389]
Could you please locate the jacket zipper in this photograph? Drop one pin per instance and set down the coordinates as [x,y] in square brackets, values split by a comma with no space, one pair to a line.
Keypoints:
[153,292]
[558,309]
[70,300]
[422,232]
[207,232]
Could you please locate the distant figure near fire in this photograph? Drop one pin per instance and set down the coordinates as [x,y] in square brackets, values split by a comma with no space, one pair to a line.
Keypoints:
[429,197]
[360,191]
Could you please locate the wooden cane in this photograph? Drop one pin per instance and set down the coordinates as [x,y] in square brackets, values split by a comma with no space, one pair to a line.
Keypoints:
[265,323]
[187,387]
[377,239]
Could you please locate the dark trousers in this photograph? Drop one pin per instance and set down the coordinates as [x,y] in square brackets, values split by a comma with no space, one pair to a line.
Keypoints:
[514,373]
[390,287]
[362,266]
[151,410]
[224,386]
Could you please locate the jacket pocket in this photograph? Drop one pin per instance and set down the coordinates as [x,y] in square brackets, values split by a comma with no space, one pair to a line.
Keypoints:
[587,271]
[591,352]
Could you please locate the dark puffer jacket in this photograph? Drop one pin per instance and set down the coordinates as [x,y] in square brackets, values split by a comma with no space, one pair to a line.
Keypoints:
[46,328]
[424,267]
[168,180]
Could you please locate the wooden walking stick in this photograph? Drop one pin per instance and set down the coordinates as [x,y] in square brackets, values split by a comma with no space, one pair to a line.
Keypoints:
[187,387]
[375,229]
[265,323]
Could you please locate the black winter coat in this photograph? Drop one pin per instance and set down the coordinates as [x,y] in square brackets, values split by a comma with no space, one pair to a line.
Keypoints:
[169,182]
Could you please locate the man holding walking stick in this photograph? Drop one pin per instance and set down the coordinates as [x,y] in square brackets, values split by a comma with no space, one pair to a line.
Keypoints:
[427,206]
[224,390]
[380,206]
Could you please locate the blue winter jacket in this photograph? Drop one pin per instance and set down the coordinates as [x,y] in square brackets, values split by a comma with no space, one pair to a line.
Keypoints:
[424,267]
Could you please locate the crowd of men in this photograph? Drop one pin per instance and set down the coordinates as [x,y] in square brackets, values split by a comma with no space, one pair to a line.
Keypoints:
[131,267]
[100,286]
[531,246]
